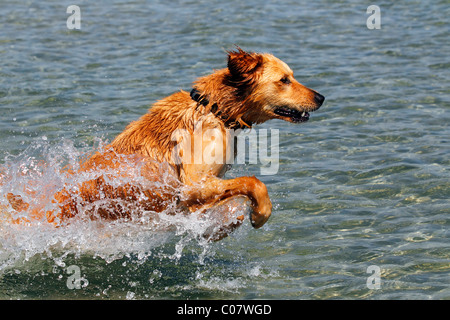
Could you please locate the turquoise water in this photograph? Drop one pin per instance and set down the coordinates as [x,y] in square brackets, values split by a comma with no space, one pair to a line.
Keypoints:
[364,183]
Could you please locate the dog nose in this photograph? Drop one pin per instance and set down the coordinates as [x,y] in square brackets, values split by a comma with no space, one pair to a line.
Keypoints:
[318,98]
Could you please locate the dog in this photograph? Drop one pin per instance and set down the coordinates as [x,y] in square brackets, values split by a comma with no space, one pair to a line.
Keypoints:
[252,89]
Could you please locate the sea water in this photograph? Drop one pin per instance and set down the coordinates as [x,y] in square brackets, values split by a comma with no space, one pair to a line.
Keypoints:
[360,198]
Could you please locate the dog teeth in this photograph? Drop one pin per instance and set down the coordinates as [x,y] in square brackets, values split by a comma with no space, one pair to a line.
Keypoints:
[303,114]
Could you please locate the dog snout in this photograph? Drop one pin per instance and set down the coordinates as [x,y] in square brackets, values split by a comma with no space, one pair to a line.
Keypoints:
[318,98]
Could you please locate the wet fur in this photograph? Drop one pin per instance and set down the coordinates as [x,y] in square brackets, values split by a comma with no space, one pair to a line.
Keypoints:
[247,92]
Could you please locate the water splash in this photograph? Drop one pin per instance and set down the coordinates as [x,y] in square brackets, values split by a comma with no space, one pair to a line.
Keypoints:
[158,243]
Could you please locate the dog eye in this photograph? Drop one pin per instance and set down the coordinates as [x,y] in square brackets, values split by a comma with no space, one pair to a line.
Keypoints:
[285,80]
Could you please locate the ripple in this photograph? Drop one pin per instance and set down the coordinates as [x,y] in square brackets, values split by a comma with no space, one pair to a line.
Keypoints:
[418,237]
[366,180]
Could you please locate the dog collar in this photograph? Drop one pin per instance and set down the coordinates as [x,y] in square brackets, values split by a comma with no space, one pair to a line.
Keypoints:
[197,97]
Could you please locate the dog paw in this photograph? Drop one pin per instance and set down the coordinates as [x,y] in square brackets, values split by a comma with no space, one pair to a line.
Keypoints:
[260,216]
[225,216]
[262,206]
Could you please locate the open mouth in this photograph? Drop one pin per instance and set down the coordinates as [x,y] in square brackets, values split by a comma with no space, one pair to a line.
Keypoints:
[292,114]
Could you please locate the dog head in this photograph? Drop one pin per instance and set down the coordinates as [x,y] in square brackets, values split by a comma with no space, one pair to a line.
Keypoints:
[269,88]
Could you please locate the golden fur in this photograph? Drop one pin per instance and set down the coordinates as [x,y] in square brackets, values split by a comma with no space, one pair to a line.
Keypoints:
[252,89]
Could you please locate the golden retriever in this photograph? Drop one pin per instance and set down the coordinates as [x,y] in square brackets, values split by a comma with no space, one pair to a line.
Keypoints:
[253,88]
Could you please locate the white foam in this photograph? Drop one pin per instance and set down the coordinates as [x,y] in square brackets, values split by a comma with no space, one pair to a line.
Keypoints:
[39,171]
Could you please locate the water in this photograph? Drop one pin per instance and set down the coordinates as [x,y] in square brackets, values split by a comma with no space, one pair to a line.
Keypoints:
[364,183]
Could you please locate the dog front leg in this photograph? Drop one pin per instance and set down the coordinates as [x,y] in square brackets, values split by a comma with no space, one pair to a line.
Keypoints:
[213,189]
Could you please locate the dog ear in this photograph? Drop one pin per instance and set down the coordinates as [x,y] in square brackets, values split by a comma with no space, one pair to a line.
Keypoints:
[241,63]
